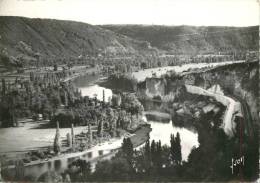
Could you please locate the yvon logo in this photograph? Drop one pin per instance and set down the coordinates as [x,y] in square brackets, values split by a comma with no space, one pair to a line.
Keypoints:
[237,162]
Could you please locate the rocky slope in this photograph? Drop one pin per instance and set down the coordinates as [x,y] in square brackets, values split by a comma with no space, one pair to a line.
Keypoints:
[28,38]
[191,39]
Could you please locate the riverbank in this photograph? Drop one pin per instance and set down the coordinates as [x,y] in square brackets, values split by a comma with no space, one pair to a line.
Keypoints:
[141,135]
[157,115]
[102,151]
[77,72]
[16,140]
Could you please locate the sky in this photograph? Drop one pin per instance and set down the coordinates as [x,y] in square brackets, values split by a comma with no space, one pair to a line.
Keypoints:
[159,12]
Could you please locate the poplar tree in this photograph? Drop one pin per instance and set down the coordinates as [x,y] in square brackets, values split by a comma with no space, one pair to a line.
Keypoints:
[147,156]
[172,148]
[57,140]
[3,87]
[90,134]
[159,154]
[128,149]
[175,149]
[72,137]
[19,170]
[178,148]
[153,152]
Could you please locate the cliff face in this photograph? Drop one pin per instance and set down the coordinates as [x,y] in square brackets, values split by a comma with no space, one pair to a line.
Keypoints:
[238,80]
[164,89]
[155,87]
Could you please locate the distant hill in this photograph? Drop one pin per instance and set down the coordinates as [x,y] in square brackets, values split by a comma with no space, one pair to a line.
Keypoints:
[191,39]
[25,37]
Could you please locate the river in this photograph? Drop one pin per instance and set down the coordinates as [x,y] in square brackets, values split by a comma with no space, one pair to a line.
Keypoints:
[27,137]
[88,86]
[161,130]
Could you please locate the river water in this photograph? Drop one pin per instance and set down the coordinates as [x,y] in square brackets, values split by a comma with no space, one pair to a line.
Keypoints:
[88,86]
[161,128]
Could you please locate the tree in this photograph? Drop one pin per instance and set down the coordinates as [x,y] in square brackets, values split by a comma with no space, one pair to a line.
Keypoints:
[3,87]
[65,98]
[100,128]
[158,155]
[57,144]
[12,110]
[147,156]
[153,152]
[178,148]
[67,178]
[50,176]
[72,138]
[172,148]
[83,170]
[103,96]
[143,65]
[1,171]
[116,100]
[116,169]
[128,149]
[90,137]
[55,67]
[131,104]
[19,170]
[36,104]
[69,141]
[175,149]
[147,150]
[95,99]
[55,99]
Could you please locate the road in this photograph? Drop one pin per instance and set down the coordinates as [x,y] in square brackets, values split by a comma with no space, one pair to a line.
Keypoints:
[229,102]
[248,121]
[141,75]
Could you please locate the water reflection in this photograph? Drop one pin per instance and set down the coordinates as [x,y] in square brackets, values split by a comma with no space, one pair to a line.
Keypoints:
[96,90]
[87,87]
[162,131]
[154,105]
[161,124]
[85,80]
